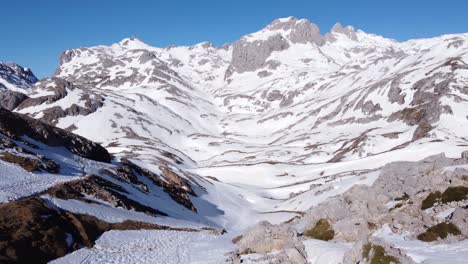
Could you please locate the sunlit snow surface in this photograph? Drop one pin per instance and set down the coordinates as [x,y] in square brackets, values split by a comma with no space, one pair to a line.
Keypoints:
[257,159]
[16,182]
[428,253]
[152,246]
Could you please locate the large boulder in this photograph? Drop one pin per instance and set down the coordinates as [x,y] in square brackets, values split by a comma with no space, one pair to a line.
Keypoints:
[266,238]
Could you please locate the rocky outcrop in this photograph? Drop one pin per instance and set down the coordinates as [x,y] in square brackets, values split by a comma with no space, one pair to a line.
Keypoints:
[266,238]
[299,31]
[11,99]
[31,163]
[17,125]
[177,187]
[58,87]
[459,218]
[376,250]
[339,29]
[250,55]
[101,189]
[426,106]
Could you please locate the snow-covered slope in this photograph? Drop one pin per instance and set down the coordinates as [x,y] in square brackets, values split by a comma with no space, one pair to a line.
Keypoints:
[265,127]
[282,97]
[277,95]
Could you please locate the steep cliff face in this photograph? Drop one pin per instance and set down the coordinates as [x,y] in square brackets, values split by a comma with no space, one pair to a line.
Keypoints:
[252,51]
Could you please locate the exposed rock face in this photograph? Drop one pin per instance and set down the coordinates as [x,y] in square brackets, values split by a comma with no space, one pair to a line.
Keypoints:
[301,31]
[251,55]
[459,217]
[338,28]
[11,99]
[426,106]
[265,238]
[16,125]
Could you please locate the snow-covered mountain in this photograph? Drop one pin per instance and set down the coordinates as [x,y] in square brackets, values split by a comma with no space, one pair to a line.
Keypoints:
[264,128]
[15,77]
[15,83]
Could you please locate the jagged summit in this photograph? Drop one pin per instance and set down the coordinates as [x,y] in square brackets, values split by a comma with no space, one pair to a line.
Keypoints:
[301,31]
[348,31]
[291,28]
[15,77]
[133,42]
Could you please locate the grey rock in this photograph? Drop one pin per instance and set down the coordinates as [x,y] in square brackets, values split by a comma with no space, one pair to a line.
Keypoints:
[11,99]
[348,31]
[301,31]
[264,74]
[265,238]
[356,254]
[460,219]
[59,89]
[464,155]
[146,56]
[370,108]
[250,56]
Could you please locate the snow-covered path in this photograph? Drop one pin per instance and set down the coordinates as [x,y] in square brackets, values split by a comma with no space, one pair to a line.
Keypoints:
[153,246]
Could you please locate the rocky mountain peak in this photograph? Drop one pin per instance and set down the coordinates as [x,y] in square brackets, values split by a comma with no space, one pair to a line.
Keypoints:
[296,30]
[14,76]
[251,51]
[348,30]
[132,42]
[287,23]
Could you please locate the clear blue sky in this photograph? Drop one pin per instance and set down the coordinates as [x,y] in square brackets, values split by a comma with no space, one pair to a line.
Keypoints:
[34,32]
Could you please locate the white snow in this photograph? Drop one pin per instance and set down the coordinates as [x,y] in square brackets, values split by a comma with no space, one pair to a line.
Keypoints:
[153,246]
[323,252]
[427,253]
